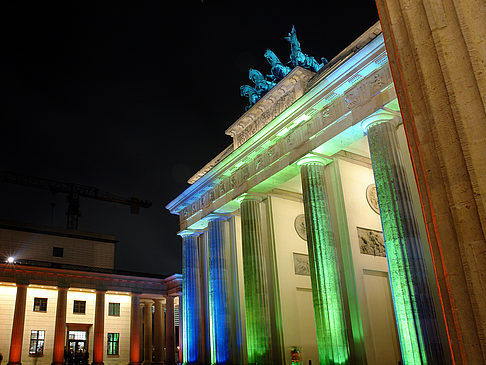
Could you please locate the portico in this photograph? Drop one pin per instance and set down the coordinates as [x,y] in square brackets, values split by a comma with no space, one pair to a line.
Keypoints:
[284,233]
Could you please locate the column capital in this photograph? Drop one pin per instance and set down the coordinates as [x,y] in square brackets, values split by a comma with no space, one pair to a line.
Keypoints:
[251,196]
[314,159]
[382,116]
[147,302]
[190,232]
[217,217]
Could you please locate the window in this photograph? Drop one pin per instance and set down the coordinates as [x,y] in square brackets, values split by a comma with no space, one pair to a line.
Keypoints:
[40,305]
[57,251]
[113,309]
[36,343]
[79,307]
[113,343]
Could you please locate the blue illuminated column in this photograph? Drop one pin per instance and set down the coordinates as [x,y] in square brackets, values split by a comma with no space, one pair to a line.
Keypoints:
[412,298]
[191,293]
[332,341]
[219,308]
[258,328]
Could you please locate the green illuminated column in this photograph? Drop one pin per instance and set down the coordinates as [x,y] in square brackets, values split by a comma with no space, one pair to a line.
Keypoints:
[258,331]
[412,299]
[326,288]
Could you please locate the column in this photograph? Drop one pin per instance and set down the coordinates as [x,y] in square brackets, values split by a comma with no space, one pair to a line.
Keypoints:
[218,295]
[181,326]
[412,299]
[135,330]
[169,331]
[159,331]
[147,331]
[189,316]
[140,330]
[99,328]
[258,330]
[327,295]
[60,329]
[18,325]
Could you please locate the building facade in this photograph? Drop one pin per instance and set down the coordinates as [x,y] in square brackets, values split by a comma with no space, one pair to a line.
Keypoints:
[60,297]
[305,240]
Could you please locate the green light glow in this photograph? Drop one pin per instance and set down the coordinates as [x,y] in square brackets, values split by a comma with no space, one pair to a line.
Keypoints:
[332,340]
[414,311]
[257,314]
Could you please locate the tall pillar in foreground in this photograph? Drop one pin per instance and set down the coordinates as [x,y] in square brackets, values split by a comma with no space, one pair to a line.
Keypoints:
[181,325]
[147,331]
[159,331]
[327,296]
[437,52]
[18,326]
[135,330]
[218,292]
[99,328]
[258,331]
[60,329]
[412,298]
[190,311]
[169,330]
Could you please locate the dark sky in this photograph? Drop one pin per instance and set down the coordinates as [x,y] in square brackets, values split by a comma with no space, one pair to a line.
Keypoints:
[134,98]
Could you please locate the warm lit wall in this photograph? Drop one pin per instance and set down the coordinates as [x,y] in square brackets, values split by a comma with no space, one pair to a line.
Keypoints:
[38,246]
[90,297]
[118,324]
[371,272]
[44,321]
[7,304]
[295,290]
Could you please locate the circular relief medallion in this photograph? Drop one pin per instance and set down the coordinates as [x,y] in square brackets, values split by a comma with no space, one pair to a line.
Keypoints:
[299,225]
[372,198]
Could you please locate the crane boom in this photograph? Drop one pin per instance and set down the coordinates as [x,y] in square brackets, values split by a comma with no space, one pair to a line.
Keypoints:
[73,191]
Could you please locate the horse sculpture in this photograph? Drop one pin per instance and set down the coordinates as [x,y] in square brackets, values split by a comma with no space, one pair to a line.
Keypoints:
[261,85]
[301,59]
[278,70]
[250,93]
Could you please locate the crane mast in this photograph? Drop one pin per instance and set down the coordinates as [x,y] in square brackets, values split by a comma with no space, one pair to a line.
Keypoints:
[73,192]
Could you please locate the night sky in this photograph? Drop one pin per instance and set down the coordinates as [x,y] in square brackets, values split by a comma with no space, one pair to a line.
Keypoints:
[134,98]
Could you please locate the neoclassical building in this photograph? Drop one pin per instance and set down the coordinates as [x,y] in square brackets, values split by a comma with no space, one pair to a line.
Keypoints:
[60,293]
[308,240]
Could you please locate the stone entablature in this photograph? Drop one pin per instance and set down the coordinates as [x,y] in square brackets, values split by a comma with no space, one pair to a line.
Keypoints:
[90,280]
[359,87]
[279,98]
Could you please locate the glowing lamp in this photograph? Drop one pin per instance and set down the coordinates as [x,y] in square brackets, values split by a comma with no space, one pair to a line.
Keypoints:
[11,260]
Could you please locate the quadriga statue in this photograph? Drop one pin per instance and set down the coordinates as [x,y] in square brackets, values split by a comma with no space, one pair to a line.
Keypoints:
[299,58]
[278,69]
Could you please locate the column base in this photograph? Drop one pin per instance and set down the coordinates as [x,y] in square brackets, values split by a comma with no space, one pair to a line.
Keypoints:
[14,363]
[98,363]
[58,363]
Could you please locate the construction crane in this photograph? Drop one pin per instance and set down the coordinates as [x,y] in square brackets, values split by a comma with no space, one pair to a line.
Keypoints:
[73,191]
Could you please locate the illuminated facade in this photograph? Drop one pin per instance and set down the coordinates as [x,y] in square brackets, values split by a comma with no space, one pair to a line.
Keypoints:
[304,240]
[49,301]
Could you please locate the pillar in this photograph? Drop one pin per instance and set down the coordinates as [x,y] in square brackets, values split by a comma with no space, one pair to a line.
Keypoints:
[258,330]
[414,308]
[327,295]
[218,292]
[99,328]
[135,330]
[437,52]
[147,331]
[159,331]
[181,332]
[60,329]
[140,330]
[169,331]
[18,325]
[190,311]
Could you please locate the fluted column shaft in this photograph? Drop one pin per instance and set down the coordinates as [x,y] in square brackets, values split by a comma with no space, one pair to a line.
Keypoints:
[191,300]
[147,331]
[99,328]
[169,330]
[135,330]
[412,298]
[159,331]
[60,329]
[258,331]
[18,326]
[218,293]
[327,295]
